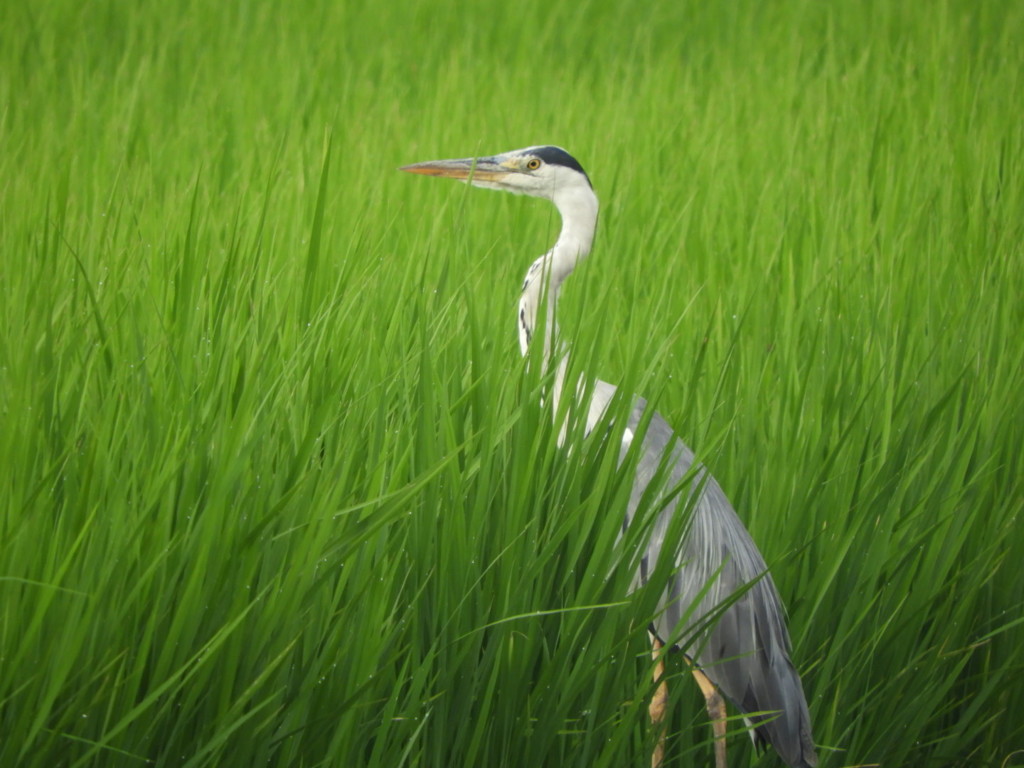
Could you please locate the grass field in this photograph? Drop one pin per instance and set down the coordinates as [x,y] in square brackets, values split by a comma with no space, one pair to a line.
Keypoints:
[276,489]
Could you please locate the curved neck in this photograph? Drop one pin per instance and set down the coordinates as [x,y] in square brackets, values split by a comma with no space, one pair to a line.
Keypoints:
[578,208]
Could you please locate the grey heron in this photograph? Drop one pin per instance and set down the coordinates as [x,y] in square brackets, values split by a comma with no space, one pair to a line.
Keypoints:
[744,645]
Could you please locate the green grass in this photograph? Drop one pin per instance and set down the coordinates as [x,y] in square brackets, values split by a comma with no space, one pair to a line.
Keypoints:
[276,489]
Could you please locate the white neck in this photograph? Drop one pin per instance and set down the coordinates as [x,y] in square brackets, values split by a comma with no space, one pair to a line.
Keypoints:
[578,208]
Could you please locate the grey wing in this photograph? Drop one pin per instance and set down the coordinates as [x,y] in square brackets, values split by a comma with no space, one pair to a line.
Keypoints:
[746,652]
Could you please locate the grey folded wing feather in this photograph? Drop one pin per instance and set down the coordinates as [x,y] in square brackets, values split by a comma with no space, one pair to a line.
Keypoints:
[745,652]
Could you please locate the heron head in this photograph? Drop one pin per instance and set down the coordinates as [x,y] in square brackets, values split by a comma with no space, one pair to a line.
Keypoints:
[537,171]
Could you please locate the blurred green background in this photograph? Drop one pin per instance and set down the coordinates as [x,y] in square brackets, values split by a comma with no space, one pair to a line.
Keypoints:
[276,486]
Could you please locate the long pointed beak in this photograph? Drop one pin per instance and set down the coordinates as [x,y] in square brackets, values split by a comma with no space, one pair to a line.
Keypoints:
[470,169]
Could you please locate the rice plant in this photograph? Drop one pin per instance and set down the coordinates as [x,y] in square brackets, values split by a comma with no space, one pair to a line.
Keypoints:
[277,487]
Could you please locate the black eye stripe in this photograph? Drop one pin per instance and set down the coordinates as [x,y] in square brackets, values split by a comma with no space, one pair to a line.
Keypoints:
[558,156]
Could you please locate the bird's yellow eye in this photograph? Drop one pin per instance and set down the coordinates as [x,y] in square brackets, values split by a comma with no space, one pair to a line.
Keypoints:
[532,164]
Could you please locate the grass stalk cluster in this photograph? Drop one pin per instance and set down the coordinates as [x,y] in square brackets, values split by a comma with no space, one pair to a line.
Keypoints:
[276,486]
